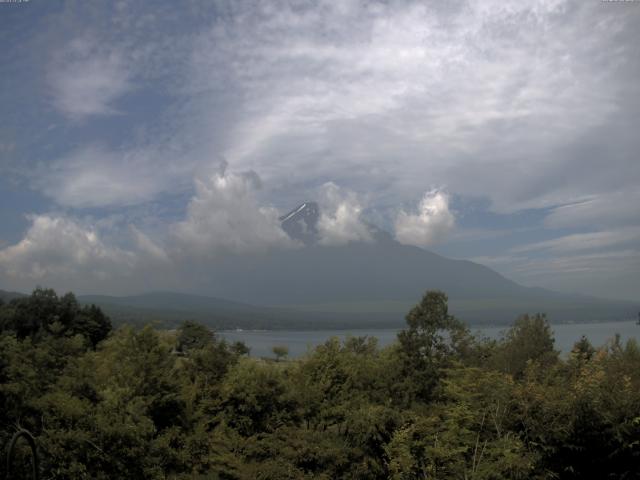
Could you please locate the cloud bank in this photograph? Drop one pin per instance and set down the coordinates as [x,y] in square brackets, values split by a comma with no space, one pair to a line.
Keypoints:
[60,247]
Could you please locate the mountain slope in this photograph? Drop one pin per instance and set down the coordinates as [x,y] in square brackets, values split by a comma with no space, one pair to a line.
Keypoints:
[170,309]
[6,296]
[171,301]
[384,278]
[301,223]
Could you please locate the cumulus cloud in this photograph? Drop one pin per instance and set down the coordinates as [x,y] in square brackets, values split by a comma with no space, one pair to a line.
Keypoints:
[56,246]
[429,225]
[224,216]
[86,79]
[340,220]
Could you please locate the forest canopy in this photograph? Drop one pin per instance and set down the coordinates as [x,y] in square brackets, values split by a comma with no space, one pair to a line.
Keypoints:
[438,403]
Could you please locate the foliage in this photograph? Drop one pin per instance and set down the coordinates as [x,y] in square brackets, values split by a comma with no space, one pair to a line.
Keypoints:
[529,340]
[440,403]
[280,351]
[429,343]
[193,336]
[45,314]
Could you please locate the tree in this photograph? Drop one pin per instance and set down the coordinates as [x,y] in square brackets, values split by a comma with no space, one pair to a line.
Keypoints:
[93,324]
[530,339]
[280,351]
[361,345]
[428,341]
[582,349]
[43,314]
[41,311]
[194,336]
[256,398]
[240,348]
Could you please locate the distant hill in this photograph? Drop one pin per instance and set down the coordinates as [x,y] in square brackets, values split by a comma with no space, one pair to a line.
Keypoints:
[170,309]
[170,301]
[8,296]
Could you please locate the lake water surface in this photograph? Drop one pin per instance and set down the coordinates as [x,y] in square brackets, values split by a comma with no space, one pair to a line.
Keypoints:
[299,342]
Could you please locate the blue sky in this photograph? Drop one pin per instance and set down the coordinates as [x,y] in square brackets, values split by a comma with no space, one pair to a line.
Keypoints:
[139,136]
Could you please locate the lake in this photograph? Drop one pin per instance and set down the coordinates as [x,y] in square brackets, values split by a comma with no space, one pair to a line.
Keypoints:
[299,341]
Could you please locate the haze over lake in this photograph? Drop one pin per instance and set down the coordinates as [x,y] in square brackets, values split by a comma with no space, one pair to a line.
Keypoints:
[299,342]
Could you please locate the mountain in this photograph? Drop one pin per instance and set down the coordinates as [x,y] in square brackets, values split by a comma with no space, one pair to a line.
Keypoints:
[170,301]
[301,223]
[381,280]
[170,309]
[358,284]
[6,296]
[384,279]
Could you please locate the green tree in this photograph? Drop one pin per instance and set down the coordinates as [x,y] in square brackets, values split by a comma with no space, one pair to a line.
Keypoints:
[91,322]
[583,349]
[530,339]
[280,351]
[240,348]
[193,336]
[428,342]
[43,314]
[256,398]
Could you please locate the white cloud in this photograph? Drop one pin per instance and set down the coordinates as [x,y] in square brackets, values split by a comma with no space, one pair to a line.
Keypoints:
[86,79]
[340,219]
[224,216]
[360,92]
[611,274]
[147,247]
[584,241]
[604,264]
[94,176]
[610,209]
[60,247]
[363,91]
[498,261]
[599,264]
[430,225]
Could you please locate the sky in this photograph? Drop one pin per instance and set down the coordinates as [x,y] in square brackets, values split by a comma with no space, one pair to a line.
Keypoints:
[139,138]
